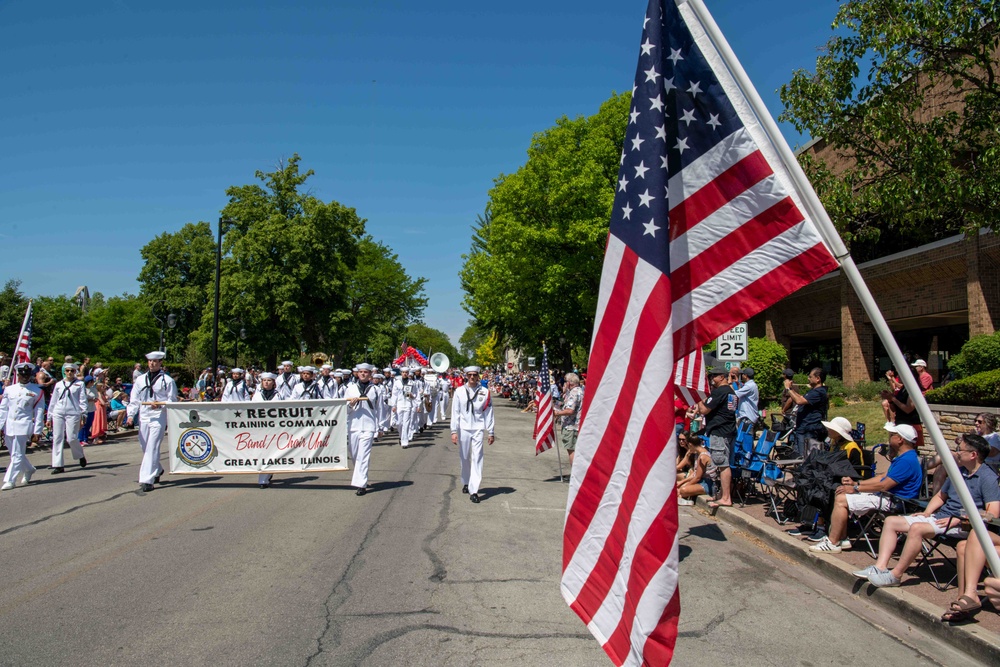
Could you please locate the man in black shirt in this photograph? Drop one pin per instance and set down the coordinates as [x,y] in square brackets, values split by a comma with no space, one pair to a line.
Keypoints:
[812,410]
[719,410]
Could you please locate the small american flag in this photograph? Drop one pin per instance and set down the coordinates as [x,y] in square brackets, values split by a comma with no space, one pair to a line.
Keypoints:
[706,231]
[545,435]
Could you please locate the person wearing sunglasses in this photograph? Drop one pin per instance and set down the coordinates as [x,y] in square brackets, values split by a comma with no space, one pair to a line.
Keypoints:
[22,412]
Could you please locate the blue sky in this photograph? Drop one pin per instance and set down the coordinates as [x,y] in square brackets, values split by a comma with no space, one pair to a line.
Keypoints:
[119,122]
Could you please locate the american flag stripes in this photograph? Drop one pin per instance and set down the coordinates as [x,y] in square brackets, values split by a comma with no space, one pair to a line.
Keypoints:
[705,232]
[22,350]
[545,435]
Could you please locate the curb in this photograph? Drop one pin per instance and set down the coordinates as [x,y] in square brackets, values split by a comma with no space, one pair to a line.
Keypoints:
[970,639]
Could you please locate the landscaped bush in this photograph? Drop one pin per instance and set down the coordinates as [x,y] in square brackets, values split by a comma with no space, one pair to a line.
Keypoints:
[767,359]
[868,391]
[981,389]
[981,353]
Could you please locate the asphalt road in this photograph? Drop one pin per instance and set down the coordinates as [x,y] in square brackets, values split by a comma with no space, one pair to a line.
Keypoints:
[214,571]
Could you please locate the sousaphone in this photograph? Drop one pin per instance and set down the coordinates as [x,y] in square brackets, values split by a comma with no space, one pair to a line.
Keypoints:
[439,362]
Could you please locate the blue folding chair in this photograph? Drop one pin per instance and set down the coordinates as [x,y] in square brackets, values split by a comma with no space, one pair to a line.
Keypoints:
[752,469]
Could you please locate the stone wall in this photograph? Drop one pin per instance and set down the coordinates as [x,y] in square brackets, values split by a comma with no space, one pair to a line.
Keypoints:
[954,420]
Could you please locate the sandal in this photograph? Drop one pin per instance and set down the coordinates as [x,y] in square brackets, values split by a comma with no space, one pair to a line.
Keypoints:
[962,609]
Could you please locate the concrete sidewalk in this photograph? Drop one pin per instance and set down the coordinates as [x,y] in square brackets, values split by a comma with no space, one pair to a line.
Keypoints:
[974,640]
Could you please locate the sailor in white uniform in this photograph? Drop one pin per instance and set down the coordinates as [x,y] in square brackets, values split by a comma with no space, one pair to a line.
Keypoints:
[22,412]
[327,383]
[362,424]
[404,402]
[286,380]
[149,393]
[382,414]
[444,387]
[307,389]
[266,391]
[471,421]
[236,390]
[68,408]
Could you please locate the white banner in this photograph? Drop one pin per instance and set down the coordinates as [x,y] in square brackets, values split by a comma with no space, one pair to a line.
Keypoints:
[271,436]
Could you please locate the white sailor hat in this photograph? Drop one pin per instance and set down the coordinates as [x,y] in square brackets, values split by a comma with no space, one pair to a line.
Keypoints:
[387,369]
[338,374]
[471,369]
[378,376]
[238,370]
[326,367]
[286,363]
[364,367]
[404,369]
[306,369]
[156,355]
[268,376]
[69,366]
[345,371]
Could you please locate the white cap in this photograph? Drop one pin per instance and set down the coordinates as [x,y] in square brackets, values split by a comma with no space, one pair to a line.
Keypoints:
[919,362]
[471,369]
[905,431]
[325,367]
[23,365]
[364,367]
[286,363]
[238,370]
[268,376]
[378,376]
[338,374]
[156,356]
[306,369]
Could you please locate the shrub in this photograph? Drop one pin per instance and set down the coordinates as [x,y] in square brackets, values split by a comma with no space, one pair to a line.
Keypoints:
[981,353]
[767,359]
[835,387]
[868,391]
[981,389]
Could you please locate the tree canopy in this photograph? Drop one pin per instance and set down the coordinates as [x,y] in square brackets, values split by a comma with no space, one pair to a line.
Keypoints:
[908,92]
[533,270]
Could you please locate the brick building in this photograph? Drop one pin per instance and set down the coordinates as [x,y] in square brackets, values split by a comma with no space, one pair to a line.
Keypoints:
[934,297]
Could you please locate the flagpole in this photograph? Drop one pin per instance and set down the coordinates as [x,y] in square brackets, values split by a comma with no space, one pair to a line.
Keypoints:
[13,357]
[832,238]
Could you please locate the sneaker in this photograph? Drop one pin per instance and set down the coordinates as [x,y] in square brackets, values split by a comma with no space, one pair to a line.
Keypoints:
[818,536]
[685,502]
[846,545]
[883,579]
[825,546]
[24,479]
[804,529]
[863,574]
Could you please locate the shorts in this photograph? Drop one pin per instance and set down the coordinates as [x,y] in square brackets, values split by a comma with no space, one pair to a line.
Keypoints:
[955,529]
[568,439]
[721,449]
[707,485]
[863,503]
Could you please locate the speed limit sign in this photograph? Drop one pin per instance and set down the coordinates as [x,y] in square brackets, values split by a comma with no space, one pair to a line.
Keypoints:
[732,345]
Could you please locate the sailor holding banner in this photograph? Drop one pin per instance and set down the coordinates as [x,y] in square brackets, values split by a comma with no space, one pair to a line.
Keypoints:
[149,393]
[286,380]
[266,392]
[471,421]
[236,389]
[362,424]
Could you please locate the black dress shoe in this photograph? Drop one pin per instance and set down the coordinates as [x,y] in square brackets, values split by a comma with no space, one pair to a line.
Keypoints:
[265,485]
[157,479]
[146,487]
[83,461]
[57,471]
[474,498]
[465,488]
[360,492]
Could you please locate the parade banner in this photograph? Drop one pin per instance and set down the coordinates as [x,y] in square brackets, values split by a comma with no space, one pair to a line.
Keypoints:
[255,437]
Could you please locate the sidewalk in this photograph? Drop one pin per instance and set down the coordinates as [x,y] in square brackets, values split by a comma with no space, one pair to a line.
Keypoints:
[916,601]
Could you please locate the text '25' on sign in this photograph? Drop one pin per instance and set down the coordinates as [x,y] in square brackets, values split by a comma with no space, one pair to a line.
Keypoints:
[732,345]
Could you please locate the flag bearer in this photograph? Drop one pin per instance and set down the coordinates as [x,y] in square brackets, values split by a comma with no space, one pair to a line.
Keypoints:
[22,412]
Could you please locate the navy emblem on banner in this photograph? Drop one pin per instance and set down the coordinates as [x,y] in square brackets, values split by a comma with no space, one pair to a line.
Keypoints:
[196,448]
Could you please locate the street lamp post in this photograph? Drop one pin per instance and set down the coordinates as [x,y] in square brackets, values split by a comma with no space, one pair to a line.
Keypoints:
[238,336]
[215,314]
[170,322]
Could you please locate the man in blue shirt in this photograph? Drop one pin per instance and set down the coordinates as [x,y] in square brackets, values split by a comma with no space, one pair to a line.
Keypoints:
[943,514]
[903,478]
[809,431]
[748,396]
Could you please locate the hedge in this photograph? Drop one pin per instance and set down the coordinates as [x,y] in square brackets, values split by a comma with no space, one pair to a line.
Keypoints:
[981,389]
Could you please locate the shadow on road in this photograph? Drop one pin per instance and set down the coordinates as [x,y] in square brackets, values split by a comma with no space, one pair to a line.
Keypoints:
[486,494]
[708,531]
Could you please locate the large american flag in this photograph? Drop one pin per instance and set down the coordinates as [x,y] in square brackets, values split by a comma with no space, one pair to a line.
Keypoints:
[22,350]
[706,231]
[544,430]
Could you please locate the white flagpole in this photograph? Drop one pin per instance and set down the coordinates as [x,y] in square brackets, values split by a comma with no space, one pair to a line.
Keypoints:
[832,238]
[13,358]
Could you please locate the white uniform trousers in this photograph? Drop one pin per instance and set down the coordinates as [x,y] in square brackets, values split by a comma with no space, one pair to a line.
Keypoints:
[151,433]
[360,443]
[64,431]
[442,406]
[19,463]
[405,424]
[470,451]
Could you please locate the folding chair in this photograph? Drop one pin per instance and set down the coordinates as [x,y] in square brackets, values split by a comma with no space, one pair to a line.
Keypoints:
[752,466]
[870,525]
[935,546]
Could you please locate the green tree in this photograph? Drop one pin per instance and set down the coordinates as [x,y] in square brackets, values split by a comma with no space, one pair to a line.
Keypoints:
[429,341]
[908,91]
[533,270]
[768,360]
[382,299]
[13,305]
[471,338]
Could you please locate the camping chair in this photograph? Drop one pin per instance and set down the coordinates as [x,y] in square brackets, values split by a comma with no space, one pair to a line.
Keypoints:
[742,445]
[752,467]
[933,546]
[870,525]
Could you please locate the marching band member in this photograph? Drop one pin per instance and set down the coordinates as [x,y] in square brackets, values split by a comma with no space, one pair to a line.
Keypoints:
[266,392]
[236,390]
[471,421]
[22,411]
[361,424]
[327,383]
[307,389]
[149,392]
[68,407]
[286,380]
[404,401]
[382,416]
[444,388]
[420,412]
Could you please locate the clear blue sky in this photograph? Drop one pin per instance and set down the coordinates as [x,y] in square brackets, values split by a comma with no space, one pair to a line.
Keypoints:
[119,121]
